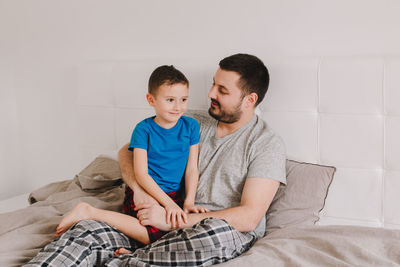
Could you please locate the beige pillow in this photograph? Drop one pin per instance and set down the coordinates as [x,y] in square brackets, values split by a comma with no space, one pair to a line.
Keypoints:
[302,198]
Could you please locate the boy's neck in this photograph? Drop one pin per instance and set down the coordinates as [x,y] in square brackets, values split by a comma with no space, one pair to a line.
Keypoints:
[164,124]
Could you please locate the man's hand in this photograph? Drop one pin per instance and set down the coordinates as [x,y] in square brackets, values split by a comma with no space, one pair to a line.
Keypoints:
[141,197]
[191,208]
[154,215]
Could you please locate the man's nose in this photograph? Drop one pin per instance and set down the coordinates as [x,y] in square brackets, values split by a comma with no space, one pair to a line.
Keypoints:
[211,93]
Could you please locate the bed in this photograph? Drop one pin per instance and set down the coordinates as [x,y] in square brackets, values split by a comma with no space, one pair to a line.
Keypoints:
[292,239]
[343,169]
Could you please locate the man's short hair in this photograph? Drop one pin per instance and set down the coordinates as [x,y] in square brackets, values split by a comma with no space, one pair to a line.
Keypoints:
[165,75]
[254,76]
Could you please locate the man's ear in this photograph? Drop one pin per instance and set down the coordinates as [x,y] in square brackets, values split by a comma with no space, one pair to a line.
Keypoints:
[150,99]
[251,100]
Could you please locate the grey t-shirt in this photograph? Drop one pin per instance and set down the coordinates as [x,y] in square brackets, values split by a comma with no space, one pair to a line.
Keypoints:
[225,163]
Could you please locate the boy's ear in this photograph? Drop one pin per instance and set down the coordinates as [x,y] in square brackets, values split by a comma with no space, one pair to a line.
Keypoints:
[150,99]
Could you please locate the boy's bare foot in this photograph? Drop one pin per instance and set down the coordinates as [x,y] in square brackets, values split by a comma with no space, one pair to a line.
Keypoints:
[121,251]
[80,212]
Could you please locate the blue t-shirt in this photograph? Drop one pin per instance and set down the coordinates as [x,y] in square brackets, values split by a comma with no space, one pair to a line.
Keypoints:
[167,149]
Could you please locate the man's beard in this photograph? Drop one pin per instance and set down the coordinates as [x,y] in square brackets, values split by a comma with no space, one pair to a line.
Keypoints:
[224,116]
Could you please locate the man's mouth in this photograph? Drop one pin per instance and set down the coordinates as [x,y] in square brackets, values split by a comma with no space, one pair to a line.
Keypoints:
[214,103]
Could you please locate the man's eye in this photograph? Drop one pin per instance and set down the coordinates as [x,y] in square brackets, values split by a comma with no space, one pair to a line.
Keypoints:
[223,92]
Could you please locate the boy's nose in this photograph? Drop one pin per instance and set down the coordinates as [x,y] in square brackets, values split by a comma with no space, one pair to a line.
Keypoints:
[177,106]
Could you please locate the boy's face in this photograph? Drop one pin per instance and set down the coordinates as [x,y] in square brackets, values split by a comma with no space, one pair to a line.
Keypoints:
[169,102]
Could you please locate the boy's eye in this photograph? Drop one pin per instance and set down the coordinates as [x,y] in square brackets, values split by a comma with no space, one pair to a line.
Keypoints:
[170,99]
[184,99]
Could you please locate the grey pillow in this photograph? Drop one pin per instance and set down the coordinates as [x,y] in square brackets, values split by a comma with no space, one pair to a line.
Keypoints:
[302,198]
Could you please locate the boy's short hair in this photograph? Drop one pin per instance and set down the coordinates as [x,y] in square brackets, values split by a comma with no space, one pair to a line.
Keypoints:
[165,75]
[254,76]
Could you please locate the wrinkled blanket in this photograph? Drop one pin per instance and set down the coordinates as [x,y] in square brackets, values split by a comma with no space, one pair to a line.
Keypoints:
[24,232]
[333,245]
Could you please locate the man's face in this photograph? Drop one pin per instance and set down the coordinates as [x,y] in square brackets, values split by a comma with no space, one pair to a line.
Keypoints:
[226,97]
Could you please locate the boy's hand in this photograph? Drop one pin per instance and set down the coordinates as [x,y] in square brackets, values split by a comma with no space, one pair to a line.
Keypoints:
[191,208]
[175,215]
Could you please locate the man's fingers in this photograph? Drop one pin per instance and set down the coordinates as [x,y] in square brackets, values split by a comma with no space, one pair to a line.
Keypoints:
[145,222]
[184,216]
[140,206]
[168,216]
[173,220]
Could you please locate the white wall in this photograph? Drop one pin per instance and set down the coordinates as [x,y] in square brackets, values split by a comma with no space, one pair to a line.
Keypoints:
[45,45]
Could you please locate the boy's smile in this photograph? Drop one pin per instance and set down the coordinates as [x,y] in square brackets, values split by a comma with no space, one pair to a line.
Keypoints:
[169,102]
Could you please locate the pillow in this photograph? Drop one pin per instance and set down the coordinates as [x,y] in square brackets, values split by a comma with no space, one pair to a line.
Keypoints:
[302,198]
[101,173]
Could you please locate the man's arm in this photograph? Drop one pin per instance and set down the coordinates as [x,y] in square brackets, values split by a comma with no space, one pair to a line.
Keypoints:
[125,158]
[257,196]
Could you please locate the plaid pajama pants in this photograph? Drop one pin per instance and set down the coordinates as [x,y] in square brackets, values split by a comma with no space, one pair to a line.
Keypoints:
[92,243]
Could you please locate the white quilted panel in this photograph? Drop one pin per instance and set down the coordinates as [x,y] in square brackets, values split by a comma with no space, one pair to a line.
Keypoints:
[126,120]
[96,126]
[392,198]
[355,194]
[95,84]
[199,84]
[288,79]
[352,86]
[299,131]
[392,143]
[326,220]
[392,87]
[351,141]
[130,81]
[334,111]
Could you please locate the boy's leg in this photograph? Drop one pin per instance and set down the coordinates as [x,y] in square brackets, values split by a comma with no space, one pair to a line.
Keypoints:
[127,224]
[88,243]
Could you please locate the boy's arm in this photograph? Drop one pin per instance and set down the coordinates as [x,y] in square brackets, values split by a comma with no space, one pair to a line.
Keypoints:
[257,195]
[125,158]
[191,174]
[174,212]
[192,180]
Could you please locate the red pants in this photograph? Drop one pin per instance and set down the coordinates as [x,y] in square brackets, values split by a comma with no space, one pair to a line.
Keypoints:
[129,208]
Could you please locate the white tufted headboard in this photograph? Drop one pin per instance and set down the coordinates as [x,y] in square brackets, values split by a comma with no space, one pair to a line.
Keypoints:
[343,112]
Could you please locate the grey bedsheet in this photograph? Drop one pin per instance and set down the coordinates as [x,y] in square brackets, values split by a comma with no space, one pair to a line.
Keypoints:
[24,232]
[334,245]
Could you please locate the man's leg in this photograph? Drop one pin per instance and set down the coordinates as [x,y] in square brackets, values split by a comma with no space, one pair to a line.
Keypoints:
[208,242]
[88,243]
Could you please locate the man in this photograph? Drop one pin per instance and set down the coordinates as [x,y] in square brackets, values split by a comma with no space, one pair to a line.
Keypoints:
[241,164]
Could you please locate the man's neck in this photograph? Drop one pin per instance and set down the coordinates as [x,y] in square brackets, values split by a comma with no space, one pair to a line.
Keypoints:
[224,129]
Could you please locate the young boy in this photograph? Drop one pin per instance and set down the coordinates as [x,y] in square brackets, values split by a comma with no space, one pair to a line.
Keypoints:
[165,148]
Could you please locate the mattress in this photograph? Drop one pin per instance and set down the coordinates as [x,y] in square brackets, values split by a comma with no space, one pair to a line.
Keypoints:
[14,203]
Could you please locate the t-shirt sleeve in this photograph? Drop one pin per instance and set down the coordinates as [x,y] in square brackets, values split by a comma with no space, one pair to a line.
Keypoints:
[195,133]
[269,161]
[140,137]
